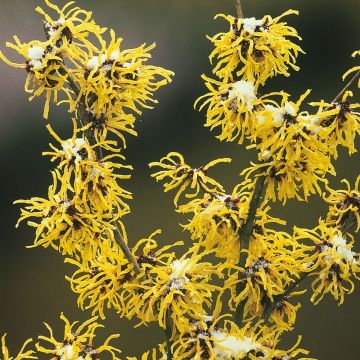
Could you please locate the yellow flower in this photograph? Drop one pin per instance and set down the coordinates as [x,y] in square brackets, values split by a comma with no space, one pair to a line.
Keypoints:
[354,69]
[182,175]
[94,180]
[207,338]
[99,282]
[44,60]
[344,204]
[334,262]
[272,263]
[45,69]
[341,120]
[177,287]
[217,219]
[232,107]
[119,79]
[293,148]
[29,354]
[118,123]
[261,229]
[71,29]
[255,49]
[286,180]
[77,342]
[283,316]
[64,222]
[285,132]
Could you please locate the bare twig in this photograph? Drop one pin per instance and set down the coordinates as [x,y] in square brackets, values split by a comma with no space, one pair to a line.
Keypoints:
[84,118]
[244,235]
[239,11]
[125,248]
[168,335]
[341,93]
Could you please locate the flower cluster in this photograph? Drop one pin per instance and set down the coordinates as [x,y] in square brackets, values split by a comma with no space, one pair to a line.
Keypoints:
[261,264]
[76,343]
[334,263]
[345,205]
[261,46]
[295,148]
[183,175]
[104,86]
[207,338]
[175,288]
[240,254]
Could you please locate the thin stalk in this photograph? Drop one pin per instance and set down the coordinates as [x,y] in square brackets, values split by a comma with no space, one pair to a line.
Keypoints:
[346,87]
[280,298]
[125,248]
[168,334]
[244,235]
[83,117]
[239,11]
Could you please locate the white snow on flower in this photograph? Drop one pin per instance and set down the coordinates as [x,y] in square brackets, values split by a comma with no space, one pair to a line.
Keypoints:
[52,31]
[36,64]
[65,204]
[95,171]
[265,155]
[178,277]
[178,283]
[203,336]
[307,265]
[60,22]
[179,268]
[103,58]
[260,119]
[67,352]
[251,23]
[35,52]
[311,123]
[222,197]
[107,67]
[126,64]
[278,113]
[243,90]
[228,346]
[114,55]
[207,318]
[93,62]
[289,109]
[71,148]
[343,249]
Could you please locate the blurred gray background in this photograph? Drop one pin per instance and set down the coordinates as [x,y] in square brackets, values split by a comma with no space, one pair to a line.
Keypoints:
[33,288]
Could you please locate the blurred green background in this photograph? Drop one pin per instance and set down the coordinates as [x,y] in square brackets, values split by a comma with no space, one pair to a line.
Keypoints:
[33,288]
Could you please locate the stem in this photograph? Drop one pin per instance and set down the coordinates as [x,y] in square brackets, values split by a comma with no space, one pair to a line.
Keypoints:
[244,235]
[341,93]
[349,222]
[346,227]
[280,298]
[83,115]
[125,248]
[168,334]
[239,11]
